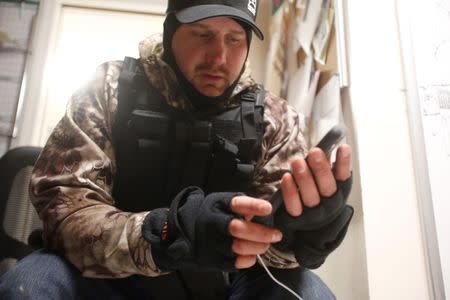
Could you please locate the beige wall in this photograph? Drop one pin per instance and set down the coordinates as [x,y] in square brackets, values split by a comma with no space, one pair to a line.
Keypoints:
[259,49]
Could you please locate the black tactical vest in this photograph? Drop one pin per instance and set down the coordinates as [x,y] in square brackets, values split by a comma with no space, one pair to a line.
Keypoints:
[160,150]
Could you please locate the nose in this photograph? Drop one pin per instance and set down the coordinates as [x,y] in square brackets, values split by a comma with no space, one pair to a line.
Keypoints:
[216,54]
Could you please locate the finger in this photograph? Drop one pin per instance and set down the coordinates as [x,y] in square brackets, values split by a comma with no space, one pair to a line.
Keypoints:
[305,182]
[291,196]
[248,217]
[245,205]
[253,232]
[321,170]
[343,167]
[244,247]
[245,261]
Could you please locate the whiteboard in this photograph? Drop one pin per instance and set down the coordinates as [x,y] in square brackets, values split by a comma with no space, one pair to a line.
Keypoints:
[425,37]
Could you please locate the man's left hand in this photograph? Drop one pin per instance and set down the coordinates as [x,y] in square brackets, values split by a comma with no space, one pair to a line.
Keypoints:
[313,178]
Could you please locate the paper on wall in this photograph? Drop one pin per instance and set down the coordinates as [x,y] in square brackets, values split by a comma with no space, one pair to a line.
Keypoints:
[302,5]
[276,5]
[302,88]
[275,57]
[307,26]
[321,39]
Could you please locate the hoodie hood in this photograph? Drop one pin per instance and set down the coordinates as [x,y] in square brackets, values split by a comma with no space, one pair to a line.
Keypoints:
[164,79]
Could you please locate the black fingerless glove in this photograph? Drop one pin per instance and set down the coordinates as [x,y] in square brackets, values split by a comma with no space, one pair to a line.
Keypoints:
[312,247]
[318,231]
[193,233]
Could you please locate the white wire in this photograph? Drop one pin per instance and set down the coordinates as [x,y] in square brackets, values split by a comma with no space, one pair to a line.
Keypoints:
[276,281]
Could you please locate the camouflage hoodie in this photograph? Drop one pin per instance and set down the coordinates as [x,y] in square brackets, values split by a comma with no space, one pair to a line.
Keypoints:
[72,181]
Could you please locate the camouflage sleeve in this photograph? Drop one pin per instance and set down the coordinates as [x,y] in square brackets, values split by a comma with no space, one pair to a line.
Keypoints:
[283,141]
[71,188]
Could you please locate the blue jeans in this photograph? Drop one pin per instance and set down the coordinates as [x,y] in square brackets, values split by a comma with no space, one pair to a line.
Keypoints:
[44,275]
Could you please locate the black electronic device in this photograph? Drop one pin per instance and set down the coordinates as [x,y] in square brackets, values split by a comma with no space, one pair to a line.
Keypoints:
[332,138]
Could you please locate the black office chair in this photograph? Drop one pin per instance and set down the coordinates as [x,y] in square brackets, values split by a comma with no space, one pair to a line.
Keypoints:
[19,220]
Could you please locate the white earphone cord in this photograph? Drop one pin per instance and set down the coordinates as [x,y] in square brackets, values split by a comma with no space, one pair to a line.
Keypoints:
[274,279]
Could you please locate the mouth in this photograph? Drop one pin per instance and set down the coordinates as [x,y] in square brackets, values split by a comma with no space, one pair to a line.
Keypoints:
[212,77]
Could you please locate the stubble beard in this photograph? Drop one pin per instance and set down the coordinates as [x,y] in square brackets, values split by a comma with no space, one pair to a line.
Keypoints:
[211,89]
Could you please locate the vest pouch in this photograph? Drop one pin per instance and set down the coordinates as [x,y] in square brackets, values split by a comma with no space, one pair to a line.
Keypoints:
[244,173]
[150,124]
[152,130]
[191,156]
[223,166]
[145,173]
[249,149]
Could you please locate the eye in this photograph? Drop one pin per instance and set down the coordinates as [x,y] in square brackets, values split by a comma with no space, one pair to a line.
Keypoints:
[201,34]
[235,40]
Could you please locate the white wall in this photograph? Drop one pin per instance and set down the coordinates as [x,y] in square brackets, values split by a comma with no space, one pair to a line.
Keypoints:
[427,72]
[395,252]
[87,38]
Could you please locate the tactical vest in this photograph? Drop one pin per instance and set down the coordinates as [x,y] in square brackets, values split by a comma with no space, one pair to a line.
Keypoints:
[160,149]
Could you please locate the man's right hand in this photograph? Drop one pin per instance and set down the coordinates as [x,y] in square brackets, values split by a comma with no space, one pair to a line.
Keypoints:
[210,232]
[250,239]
